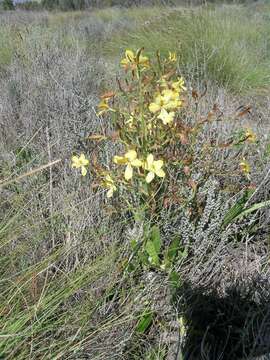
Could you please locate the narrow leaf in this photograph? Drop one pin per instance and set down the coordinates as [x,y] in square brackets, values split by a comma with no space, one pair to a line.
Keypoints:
[155,238]
[253,208]
[151,251]
[144,323]
[236,209]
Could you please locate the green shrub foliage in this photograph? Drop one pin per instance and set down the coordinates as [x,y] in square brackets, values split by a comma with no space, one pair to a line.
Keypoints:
[8,5]
[64,5]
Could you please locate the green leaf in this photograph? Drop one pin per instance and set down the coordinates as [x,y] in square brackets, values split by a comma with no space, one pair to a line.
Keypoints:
[155,238]
[151,251]
[23,156]
[183,253]
[174,279]
[143,258]
[253,208]
[171,252]
[267,150]
[133,244]
[153,245]
[237,208]
[173,248]
[144,322]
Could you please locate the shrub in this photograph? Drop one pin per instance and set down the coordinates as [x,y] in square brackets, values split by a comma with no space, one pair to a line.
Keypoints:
[64,5]
[29,5]
[8,5]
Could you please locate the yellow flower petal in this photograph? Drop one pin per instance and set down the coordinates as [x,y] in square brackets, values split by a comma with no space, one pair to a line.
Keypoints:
[131,155]
[128,172]
[169,95]
[172,56]
[143,60]
[166,117]
[80,162]
[136,163]
[179,85]
[109,179]
[119,159]
[149,160]
[153,107]
[75,162]
[83,161]
[130,55]
[171,105]
[84,171]
[150,176]
[132,60]
[158,164]
[160,173]
[129,58]
[124,62]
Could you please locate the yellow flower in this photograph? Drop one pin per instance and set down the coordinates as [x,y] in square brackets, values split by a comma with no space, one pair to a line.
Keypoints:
[168,100]
[179,85]
[80,162]
[172,56]
[131,160]
[170,97]
[250,135]
[131,60]
[154,168]
[245,167]
[166,117]
[156,105]
[109,184]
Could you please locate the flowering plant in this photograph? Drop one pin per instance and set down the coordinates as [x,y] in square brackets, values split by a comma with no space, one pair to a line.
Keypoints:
[145,112]
[157,134]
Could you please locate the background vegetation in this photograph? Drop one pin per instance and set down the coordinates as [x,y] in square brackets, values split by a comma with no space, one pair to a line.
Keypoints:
[65,290]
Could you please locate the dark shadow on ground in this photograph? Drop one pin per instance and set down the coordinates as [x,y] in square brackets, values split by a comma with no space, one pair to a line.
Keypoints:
[229,327]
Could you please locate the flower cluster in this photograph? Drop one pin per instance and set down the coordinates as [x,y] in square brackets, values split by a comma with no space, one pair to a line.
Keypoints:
[157,139]
[145,110]
[149,165]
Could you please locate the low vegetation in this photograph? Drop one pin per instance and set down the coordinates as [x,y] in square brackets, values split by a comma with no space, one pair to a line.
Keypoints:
[134,167]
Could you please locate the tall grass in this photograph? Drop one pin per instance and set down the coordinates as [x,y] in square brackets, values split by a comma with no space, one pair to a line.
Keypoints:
[48,298]
[228,45]
[5,46]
